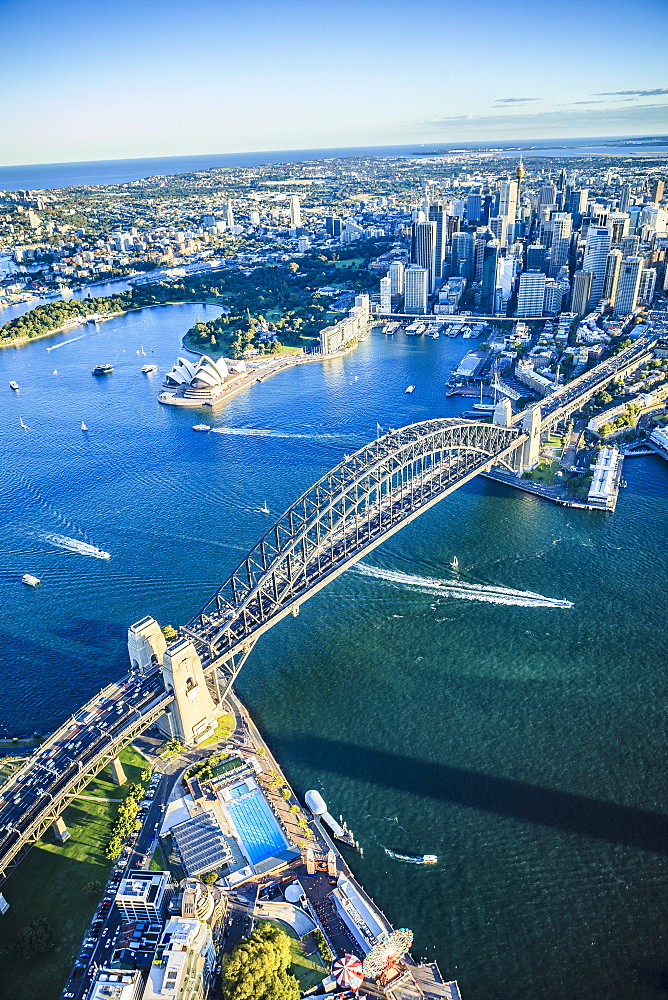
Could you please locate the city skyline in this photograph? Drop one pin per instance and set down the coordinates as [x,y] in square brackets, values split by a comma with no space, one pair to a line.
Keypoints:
[141,81]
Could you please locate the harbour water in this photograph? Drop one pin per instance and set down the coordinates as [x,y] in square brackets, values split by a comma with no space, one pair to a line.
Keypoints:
[520,739]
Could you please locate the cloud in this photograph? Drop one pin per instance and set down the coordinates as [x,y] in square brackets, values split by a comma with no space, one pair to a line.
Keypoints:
[573,103]
[515,100]
[633,93]
[583,121]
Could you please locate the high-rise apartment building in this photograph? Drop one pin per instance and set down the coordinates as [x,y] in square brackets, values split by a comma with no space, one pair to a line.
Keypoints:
[507,210]
[597,248]
[184,962]
[229,214]
[582,282]
[416,289]
[144,895]
[295,212]
[396,276]
[531,294]
[612,268]
[628,285]
[386,294]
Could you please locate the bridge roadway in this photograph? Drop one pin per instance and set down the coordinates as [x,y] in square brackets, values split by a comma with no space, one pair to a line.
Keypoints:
[57,772]
[573,395]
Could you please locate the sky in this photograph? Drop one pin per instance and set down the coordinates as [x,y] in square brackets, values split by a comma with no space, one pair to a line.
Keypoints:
[115,79]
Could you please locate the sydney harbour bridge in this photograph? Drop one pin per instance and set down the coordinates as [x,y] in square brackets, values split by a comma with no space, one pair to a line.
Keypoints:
[356,506]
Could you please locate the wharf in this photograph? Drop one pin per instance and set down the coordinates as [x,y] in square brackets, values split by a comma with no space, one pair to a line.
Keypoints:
[553,493]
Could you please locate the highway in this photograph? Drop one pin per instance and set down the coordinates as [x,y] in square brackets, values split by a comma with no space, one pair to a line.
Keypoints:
[43,787]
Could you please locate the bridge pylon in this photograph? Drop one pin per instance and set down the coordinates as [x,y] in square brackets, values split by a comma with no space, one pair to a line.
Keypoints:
[193,714]
[532,427]
[146,645]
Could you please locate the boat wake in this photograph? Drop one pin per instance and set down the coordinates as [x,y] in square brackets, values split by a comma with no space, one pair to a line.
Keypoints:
[408,858]
[464,591]
[265,432]
[74,545]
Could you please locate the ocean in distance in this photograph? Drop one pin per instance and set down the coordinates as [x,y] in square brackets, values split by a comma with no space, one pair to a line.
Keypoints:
[520,741]
[38,176]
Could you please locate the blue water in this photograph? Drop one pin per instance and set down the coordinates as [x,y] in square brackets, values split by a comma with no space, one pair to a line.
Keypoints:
[257,827]
[522,743]
[38,176]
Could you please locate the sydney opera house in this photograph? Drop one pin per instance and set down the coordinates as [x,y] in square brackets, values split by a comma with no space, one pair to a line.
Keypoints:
[194,383]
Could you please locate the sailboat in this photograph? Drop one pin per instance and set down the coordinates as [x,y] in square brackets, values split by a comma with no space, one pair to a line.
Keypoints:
[455,563]
[143,351]
[264,508]
[83,426]
[24,426]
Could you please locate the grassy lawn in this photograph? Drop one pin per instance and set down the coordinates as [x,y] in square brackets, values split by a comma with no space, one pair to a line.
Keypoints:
[49,882]
[554,441]
[309,971]
[545,473]
[352,263]
[223,730]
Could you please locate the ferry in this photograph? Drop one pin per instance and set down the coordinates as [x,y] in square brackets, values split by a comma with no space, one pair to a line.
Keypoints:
[411,388]
[148,369]
[13,385]
[29,580]
[429,859]
[103,369]
[204,428]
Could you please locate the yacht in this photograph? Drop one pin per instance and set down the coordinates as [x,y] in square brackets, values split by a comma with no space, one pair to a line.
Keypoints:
[83,426]
[13,385]
[455,563]
[264,508]
[103,369]
[24,426]
[29,580]
[429,859]
[149,369]
[204,428]
[410,388]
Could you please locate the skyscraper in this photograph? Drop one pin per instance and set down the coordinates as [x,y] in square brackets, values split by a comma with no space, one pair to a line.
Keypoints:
[531,294]
[229,214]
[508,210]
[547,195]
[424,252]
[582,282]
[612,266]
[656,191]
[438,215]
[386,294]
[295,212]
[462,255]
[490,263]
[597,248]
[628,285]
[577,204]
[474,207]
[647,286]
[396,276]
[536,257]
[624,197]
[416,289]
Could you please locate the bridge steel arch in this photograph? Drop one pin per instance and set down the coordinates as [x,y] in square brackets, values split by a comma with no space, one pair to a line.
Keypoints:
[347,513]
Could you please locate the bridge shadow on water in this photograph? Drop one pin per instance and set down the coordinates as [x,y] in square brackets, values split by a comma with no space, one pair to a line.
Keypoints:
[568,812]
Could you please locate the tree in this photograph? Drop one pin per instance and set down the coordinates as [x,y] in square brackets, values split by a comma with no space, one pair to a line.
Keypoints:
[257,968]
[604,398]
[210,878]
[91,889]
[169,632]
[35,939]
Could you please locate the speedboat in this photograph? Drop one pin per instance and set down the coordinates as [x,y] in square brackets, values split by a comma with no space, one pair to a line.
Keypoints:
[29,580]
[13,385]
[103,369]
[429,859]
[410,388]
[204,428]
[147,369]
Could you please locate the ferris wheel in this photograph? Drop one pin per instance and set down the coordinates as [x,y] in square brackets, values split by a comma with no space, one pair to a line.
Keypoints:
[386,951]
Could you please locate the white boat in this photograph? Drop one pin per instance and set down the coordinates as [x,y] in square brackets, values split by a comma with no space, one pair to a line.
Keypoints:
[204,428]
[29,580]
[264,508]
[13,385]
[455,563]
[411,388]
[83,426]
[147,369]
[429,859]
[143,352]
[24,426]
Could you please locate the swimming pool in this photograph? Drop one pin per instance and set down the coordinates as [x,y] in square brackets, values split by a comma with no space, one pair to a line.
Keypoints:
[256,826]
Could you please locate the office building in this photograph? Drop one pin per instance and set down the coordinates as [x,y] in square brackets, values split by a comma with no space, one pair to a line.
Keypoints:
[576,205]
[618,224]
[424,249]
[547,195]
[656,191]
[647,286]
[474,208]
[254,217]
[144,895]
[612,267]
[628,285]
[333,226]
[396,276]
[295,212]
[229,214]
[536,257]
[439,216]
[552,298]
[531,294]
[624,197]
[386,294]
[416,289]
[507,210]
[462,255]
[116,984]
[582,282]
[184,962]
[597,248]
[630,246]
[489,277]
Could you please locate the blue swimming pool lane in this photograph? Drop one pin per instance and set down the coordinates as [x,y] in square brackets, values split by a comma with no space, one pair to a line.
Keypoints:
[256,826]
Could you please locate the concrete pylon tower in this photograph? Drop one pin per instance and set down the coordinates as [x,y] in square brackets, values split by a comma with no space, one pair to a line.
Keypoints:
[532,425]
[193,713]
[146,645]
[503,413]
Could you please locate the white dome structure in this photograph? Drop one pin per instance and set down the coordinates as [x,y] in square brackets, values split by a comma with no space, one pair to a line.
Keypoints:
[315,802]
